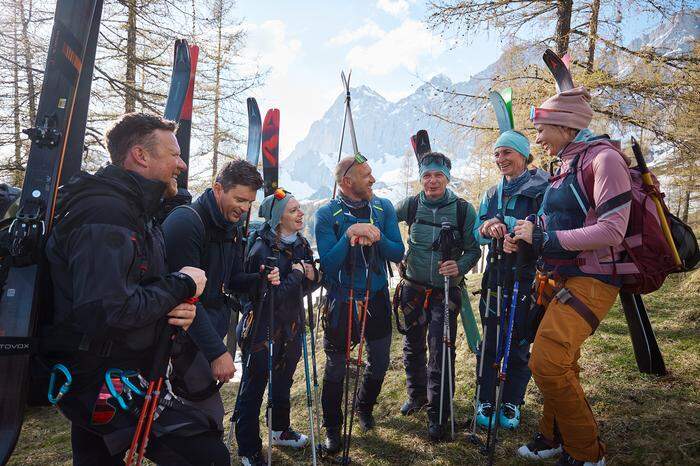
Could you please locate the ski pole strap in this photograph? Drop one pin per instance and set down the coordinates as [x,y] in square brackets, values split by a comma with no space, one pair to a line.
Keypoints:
[565,296]
[53,399]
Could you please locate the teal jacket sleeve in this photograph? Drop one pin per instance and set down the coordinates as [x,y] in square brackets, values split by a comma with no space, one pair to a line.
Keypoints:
[390,244]
[483,208]
[470,247]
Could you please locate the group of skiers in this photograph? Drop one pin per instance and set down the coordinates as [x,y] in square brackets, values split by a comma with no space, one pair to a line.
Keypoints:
[122,283]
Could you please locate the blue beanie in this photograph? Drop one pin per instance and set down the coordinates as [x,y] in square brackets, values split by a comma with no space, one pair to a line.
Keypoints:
[515,140]
[272,208]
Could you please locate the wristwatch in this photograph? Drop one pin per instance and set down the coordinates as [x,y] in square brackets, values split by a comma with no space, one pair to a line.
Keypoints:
[539,238]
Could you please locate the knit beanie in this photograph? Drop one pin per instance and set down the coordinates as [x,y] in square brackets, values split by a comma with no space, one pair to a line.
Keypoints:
[570,108]
[272,207]
[515,140]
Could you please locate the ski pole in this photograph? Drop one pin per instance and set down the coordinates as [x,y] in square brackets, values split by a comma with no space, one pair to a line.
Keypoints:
[270,360]
[348,342]
[307,376]
[363,323]
[159,369]
[499,304]
[445,247]
[518,258]
[246,357]
[310,305]
[482,353]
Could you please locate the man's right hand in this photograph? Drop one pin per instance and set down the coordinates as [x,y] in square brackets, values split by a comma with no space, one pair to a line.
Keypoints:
[273,276]
[182,315]
[199,277]
[365,234]
[223,368]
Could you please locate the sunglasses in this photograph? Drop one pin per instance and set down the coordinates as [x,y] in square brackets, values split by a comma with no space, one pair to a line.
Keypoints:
[359,160]
[436,158]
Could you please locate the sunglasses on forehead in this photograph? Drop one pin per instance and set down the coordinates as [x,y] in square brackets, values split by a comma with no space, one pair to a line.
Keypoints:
[436,158]
[359,160]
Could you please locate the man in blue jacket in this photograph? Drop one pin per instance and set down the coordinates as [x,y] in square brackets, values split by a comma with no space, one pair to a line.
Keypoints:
[346,229]
[204,234]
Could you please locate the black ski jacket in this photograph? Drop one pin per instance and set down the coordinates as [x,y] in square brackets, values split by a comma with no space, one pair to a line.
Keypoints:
[289,300]
[111,286]
[200,236]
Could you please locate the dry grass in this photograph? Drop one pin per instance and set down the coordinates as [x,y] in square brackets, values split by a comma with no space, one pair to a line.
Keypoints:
[644,419]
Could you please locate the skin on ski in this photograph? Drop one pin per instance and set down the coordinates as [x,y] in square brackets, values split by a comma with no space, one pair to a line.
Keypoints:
[501,110]
[184,127]
[646,349]
[507,95]
[559,70]
[270,150]
[19,302]
[179,81]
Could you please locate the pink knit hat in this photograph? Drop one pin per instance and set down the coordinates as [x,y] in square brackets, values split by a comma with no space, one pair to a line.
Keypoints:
[569,108]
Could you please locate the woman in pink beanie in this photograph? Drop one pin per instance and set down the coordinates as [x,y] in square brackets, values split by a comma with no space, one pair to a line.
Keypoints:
[580,234]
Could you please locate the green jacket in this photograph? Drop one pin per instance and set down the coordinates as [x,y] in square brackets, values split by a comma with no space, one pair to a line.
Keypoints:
[421,261]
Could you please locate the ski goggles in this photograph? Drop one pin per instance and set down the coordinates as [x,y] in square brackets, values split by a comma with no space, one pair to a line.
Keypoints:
[437,158]
[359,160]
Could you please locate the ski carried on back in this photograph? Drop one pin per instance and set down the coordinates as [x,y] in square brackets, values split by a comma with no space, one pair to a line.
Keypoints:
[252,156]
[70,53]
[179,94]
[270,150]
[421,144]
[184,127]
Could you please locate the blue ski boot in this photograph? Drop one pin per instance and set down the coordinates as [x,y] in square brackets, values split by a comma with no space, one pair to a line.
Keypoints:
[509,417]
[484,413]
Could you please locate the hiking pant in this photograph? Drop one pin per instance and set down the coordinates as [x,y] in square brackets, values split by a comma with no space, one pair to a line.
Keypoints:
[90,449]
[424,376]
[253,385]
[554,363]
[518,375]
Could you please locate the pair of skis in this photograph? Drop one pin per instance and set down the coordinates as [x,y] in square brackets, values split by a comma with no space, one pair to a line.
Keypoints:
[646,349]
[55,155]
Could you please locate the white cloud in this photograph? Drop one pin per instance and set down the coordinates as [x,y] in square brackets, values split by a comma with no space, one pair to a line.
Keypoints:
[400,47]
[393,7]
[369,29]
[269,45]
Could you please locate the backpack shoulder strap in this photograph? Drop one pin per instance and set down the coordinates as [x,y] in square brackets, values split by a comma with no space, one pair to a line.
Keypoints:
[462,210]
[412,210]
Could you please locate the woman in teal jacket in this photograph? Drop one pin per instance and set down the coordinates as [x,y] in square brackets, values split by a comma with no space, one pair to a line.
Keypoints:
[517,195]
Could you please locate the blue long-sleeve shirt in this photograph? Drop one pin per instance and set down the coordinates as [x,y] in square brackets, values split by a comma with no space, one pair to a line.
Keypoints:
[334,219]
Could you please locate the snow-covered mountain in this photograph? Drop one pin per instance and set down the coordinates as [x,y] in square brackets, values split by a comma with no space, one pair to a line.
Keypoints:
[383,127]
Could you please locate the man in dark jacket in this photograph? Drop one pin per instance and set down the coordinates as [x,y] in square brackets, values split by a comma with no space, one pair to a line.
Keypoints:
[114,297]
[204,235]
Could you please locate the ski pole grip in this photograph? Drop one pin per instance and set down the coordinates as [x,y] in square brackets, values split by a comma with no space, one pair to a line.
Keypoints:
[445,231]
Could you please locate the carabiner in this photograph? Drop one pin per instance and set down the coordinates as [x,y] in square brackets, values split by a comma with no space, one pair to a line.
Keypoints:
[52,382]
[123,376]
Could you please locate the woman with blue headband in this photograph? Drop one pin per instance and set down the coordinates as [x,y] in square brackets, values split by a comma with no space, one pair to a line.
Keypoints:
[280,237]
[517,195]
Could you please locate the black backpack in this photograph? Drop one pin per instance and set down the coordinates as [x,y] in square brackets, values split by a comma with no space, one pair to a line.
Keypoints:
[462,210]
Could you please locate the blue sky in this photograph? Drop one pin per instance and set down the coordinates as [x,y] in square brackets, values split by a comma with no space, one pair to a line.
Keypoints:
[387,44]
